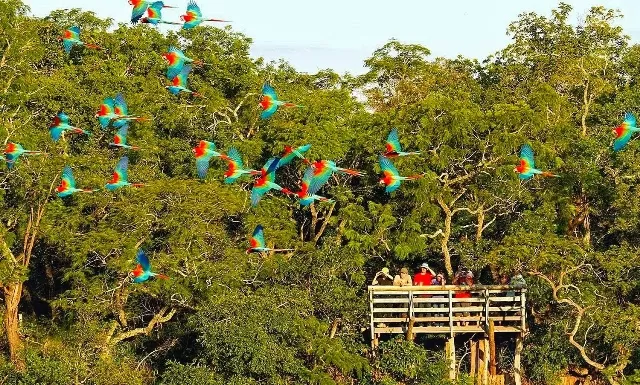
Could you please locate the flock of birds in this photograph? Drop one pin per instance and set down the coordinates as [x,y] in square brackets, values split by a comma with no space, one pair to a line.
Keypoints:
[114,112]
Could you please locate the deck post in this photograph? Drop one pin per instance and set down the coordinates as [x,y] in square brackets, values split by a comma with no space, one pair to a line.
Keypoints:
[492,349]
[450,352]
[474,357]
[374,342]
[517,370]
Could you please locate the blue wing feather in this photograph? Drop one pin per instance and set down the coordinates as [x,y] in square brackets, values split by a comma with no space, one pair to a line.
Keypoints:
[526,152]
[143,260]
[385,164]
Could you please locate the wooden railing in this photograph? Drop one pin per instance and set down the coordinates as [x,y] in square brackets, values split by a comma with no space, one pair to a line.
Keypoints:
[434,309]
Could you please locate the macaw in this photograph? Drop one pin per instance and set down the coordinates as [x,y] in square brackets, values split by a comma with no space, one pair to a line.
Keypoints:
[154,14]
[624,131]
[120,139]
[122,112]
[177,59]
[322,171]
[193,17]
[235,169]
[257,244]
[143,272]
[393,148]
[264,183]
[139,7]
[304,197]
[526,169]
[288,155]
[68,184]
[179,83]
[204,151]
[71,37]
[108,112]
[120,178]
[269,102]
[391,177]
[13,151]
[60,125]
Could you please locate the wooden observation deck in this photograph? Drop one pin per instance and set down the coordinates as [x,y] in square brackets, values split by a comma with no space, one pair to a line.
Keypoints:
[413,310]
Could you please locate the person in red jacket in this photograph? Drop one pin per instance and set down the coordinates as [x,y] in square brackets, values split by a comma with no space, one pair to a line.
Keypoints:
[464,277]
[424,277]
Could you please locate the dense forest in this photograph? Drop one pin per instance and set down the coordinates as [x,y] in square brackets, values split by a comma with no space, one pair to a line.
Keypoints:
[73,316]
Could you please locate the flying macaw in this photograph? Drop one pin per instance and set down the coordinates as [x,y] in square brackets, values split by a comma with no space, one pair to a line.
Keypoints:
[304,197]
[193,17]
[139,6]
[288,155]
[120,139]
[391,177]
[61,125]
[257,244]
[263,184]
[143,272]
[71,37]
[68,184]
[120,178]
[526,169]
[177,59]
[122,112]
[624,131]
[322,171]
[13,151]
[179,83]
[204,151]
[154,14]
[269,102]
[393,148]
[235,169]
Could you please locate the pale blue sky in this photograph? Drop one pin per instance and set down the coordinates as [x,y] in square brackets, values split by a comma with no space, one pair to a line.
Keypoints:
[340,34]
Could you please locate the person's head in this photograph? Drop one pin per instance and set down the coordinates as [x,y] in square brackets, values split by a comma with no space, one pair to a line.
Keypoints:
[468,278]
[404,271]
[440,277]
[424,268]
[504,279]
[385,271]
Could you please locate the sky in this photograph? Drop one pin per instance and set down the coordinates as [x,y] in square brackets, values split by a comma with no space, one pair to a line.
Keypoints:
[341,34]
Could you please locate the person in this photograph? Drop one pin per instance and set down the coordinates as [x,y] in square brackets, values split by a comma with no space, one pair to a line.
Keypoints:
[464,277]
[403,279]
[439,280]
[383,278]
[516,281]
[424,277]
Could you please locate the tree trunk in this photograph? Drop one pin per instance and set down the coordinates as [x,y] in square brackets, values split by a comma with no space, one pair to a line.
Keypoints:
[12,294]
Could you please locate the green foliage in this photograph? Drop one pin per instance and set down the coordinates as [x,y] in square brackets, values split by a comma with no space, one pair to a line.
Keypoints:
[266,319]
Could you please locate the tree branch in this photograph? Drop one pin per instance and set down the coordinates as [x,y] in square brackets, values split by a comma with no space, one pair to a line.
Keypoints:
[158,319]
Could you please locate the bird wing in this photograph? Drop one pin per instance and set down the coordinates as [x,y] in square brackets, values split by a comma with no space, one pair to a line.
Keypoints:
[321,176]
[526,154]
[194,10]
[121,169]
[67,176]
[257,238]
[393,143]
[387,166]
[120,106]
[143,260]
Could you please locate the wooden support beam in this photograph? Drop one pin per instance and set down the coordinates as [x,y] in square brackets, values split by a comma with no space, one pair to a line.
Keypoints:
[492,348]
[485,362]
[450,353]
[517,370]
[410,334]
[474,357]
